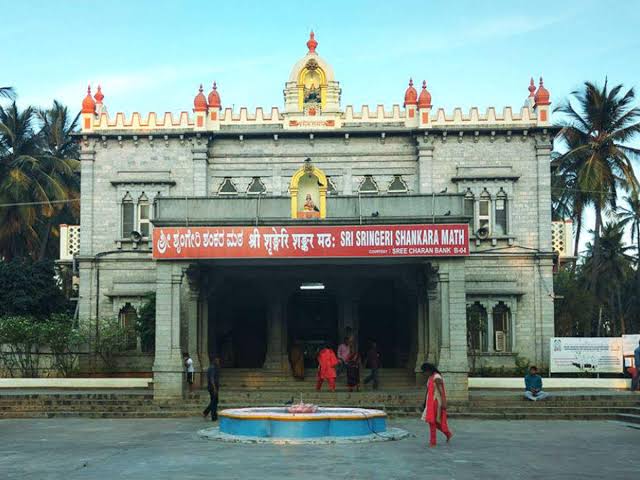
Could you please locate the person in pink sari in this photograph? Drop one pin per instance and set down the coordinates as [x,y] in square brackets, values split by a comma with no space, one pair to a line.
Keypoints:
[435,405]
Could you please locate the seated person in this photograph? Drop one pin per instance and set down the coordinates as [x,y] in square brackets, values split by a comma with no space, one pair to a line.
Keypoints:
[309,206]
[533,385]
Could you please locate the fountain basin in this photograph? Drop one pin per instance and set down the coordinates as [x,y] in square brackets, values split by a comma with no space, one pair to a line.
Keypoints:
[276,422]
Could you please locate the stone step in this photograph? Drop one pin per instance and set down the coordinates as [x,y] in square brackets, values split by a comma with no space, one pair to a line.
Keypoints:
[629,418]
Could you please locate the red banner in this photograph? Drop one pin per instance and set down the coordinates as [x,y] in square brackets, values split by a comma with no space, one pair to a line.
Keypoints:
[312,241]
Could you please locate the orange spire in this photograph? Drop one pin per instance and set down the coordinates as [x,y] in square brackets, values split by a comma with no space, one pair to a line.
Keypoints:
[200,102]
[424,101]
[88,104]
[99,96]
[312,42]
[532,87]
[214,97]
[410,95]
[542,95]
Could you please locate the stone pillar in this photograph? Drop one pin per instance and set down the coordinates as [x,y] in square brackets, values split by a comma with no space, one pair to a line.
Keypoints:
[199,153]
[203,337]
[87,198]
[192,310]
[425,165]
[433,325]
[168,371]
[276,358]
[453,361]
[421,331]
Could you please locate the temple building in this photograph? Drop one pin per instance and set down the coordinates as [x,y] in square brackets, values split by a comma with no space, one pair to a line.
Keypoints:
[428,232]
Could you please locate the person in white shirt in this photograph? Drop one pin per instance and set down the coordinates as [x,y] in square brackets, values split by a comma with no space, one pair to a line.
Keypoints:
[188,362]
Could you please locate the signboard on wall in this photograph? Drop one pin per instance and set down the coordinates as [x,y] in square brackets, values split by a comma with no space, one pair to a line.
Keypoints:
[359,241]
[585,354]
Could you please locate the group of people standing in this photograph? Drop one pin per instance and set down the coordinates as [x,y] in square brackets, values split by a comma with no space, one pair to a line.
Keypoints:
[347,360]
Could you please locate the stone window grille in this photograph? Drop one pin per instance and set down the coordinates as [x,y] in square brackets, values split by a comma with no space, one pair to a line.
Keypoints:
[256,187]
[227,187]
[144,216]
[398,185]
[128,215]
[477,327]
[368,186]
[484,211]
[501,227]
[501,328]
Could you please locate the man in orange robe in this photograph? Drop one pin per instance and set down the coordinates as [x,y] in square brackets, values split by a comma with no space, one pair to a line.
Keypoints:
[327,362]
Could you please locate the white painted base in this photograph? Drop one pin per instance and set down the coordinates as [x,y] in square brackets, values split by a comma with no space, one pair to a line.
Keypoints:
[75,382]
[551,383]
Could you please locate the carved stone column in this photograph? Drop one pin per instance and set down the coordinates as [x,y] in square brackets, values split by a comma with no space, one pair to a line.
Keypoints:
[192,309]
[168,371]
[276,358]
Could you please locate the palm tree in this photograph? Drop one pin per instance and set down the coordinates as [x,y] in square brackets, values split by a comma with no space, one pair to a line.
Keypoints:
[598,124]
[630,215]
[7,92]
[59,158]
[30,181]
[613,271]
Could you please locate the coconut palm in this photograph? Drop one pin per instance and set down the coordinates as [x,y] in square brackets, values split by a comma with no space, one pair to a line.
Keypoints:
[7,92]
[614,270]
[59,158]
[629,214]
[597,126]
[29,183]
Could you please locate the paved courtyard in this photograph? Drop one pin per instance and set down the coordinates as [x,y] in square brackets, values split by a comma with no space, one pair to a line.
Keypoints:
[169,448]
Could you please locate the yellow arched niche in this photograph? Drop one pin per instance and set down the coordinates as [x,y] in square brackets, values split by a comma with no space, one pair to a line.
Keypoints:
[312,180]
[312,74]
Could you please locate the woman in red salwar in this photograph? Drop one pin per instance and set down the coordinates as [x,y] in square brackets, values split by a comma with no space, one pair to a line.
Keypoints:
[435,405]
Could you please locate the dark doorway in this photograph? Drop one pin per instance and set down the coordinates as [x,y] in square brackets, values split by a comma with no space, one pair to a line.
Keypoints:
[240,325]
[383,315]
[313,321]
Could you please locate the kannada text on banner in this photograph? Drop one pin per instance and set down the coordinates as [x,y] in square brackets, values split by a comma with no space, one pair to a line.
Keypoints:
[311,241]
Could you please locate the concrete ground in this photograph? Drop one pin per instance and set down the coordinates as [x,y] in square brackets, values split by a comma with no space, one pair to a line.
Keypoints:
[170,449]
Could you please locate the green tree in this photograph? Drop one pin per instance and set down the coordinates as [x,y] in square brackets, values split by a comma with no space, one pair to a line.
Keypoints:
[598,124]
[60,152]
[33,181]
[7,92]
[30,288]
[614,270]
[146,323]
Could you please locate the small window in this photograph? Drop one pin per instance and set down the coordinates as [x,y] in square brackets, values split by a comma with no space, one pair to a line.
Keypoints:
[331,187]
[227,187]
[469,204]
[128,216]
[144,216]
[256,187]
[398,185]
[484,211]
[477,328]
[368,186]
[501,328]
[501,213]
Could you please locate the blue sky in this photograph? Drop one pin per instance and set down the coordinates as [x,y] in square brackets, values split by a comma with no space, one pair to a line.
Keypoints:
[152,55]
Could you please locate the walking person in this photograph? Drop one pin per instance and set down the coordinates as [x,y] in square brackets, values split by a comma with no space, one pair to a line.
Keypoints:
[435,405]
[327,362]
[188,363]
[373,362]
[343,355]
[213,386]
[353,370]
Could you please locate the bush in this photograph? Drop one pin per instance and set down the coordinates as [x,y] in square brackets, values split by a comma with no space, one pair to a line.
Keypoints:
[112,338]
[146,324]
[66,341]
[21,338]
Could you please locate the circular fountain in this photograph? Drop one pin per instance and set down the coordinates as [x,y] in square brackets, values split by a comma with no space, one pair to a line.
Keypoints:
[302,423]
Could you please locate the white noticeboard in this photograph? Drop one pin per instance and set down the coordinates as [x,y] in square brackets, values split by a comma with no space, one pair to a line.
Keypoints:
[580,354]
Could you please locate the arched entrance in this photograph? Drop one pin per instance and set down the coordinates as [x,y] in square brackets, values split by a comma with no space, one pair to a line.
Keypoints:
[313,321]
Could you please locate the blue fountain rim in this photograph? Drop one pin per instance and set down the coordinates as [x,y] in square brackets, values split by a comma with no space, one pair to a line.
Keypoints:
[281,414]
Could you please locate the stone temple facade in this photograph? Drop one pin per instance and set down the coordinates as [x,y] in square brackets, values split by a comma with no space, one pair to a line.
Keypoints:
[147,180]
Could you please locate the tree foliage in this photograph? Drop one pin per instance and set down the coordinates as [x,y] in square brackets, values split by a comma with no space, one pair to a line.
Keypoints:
[29,288]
